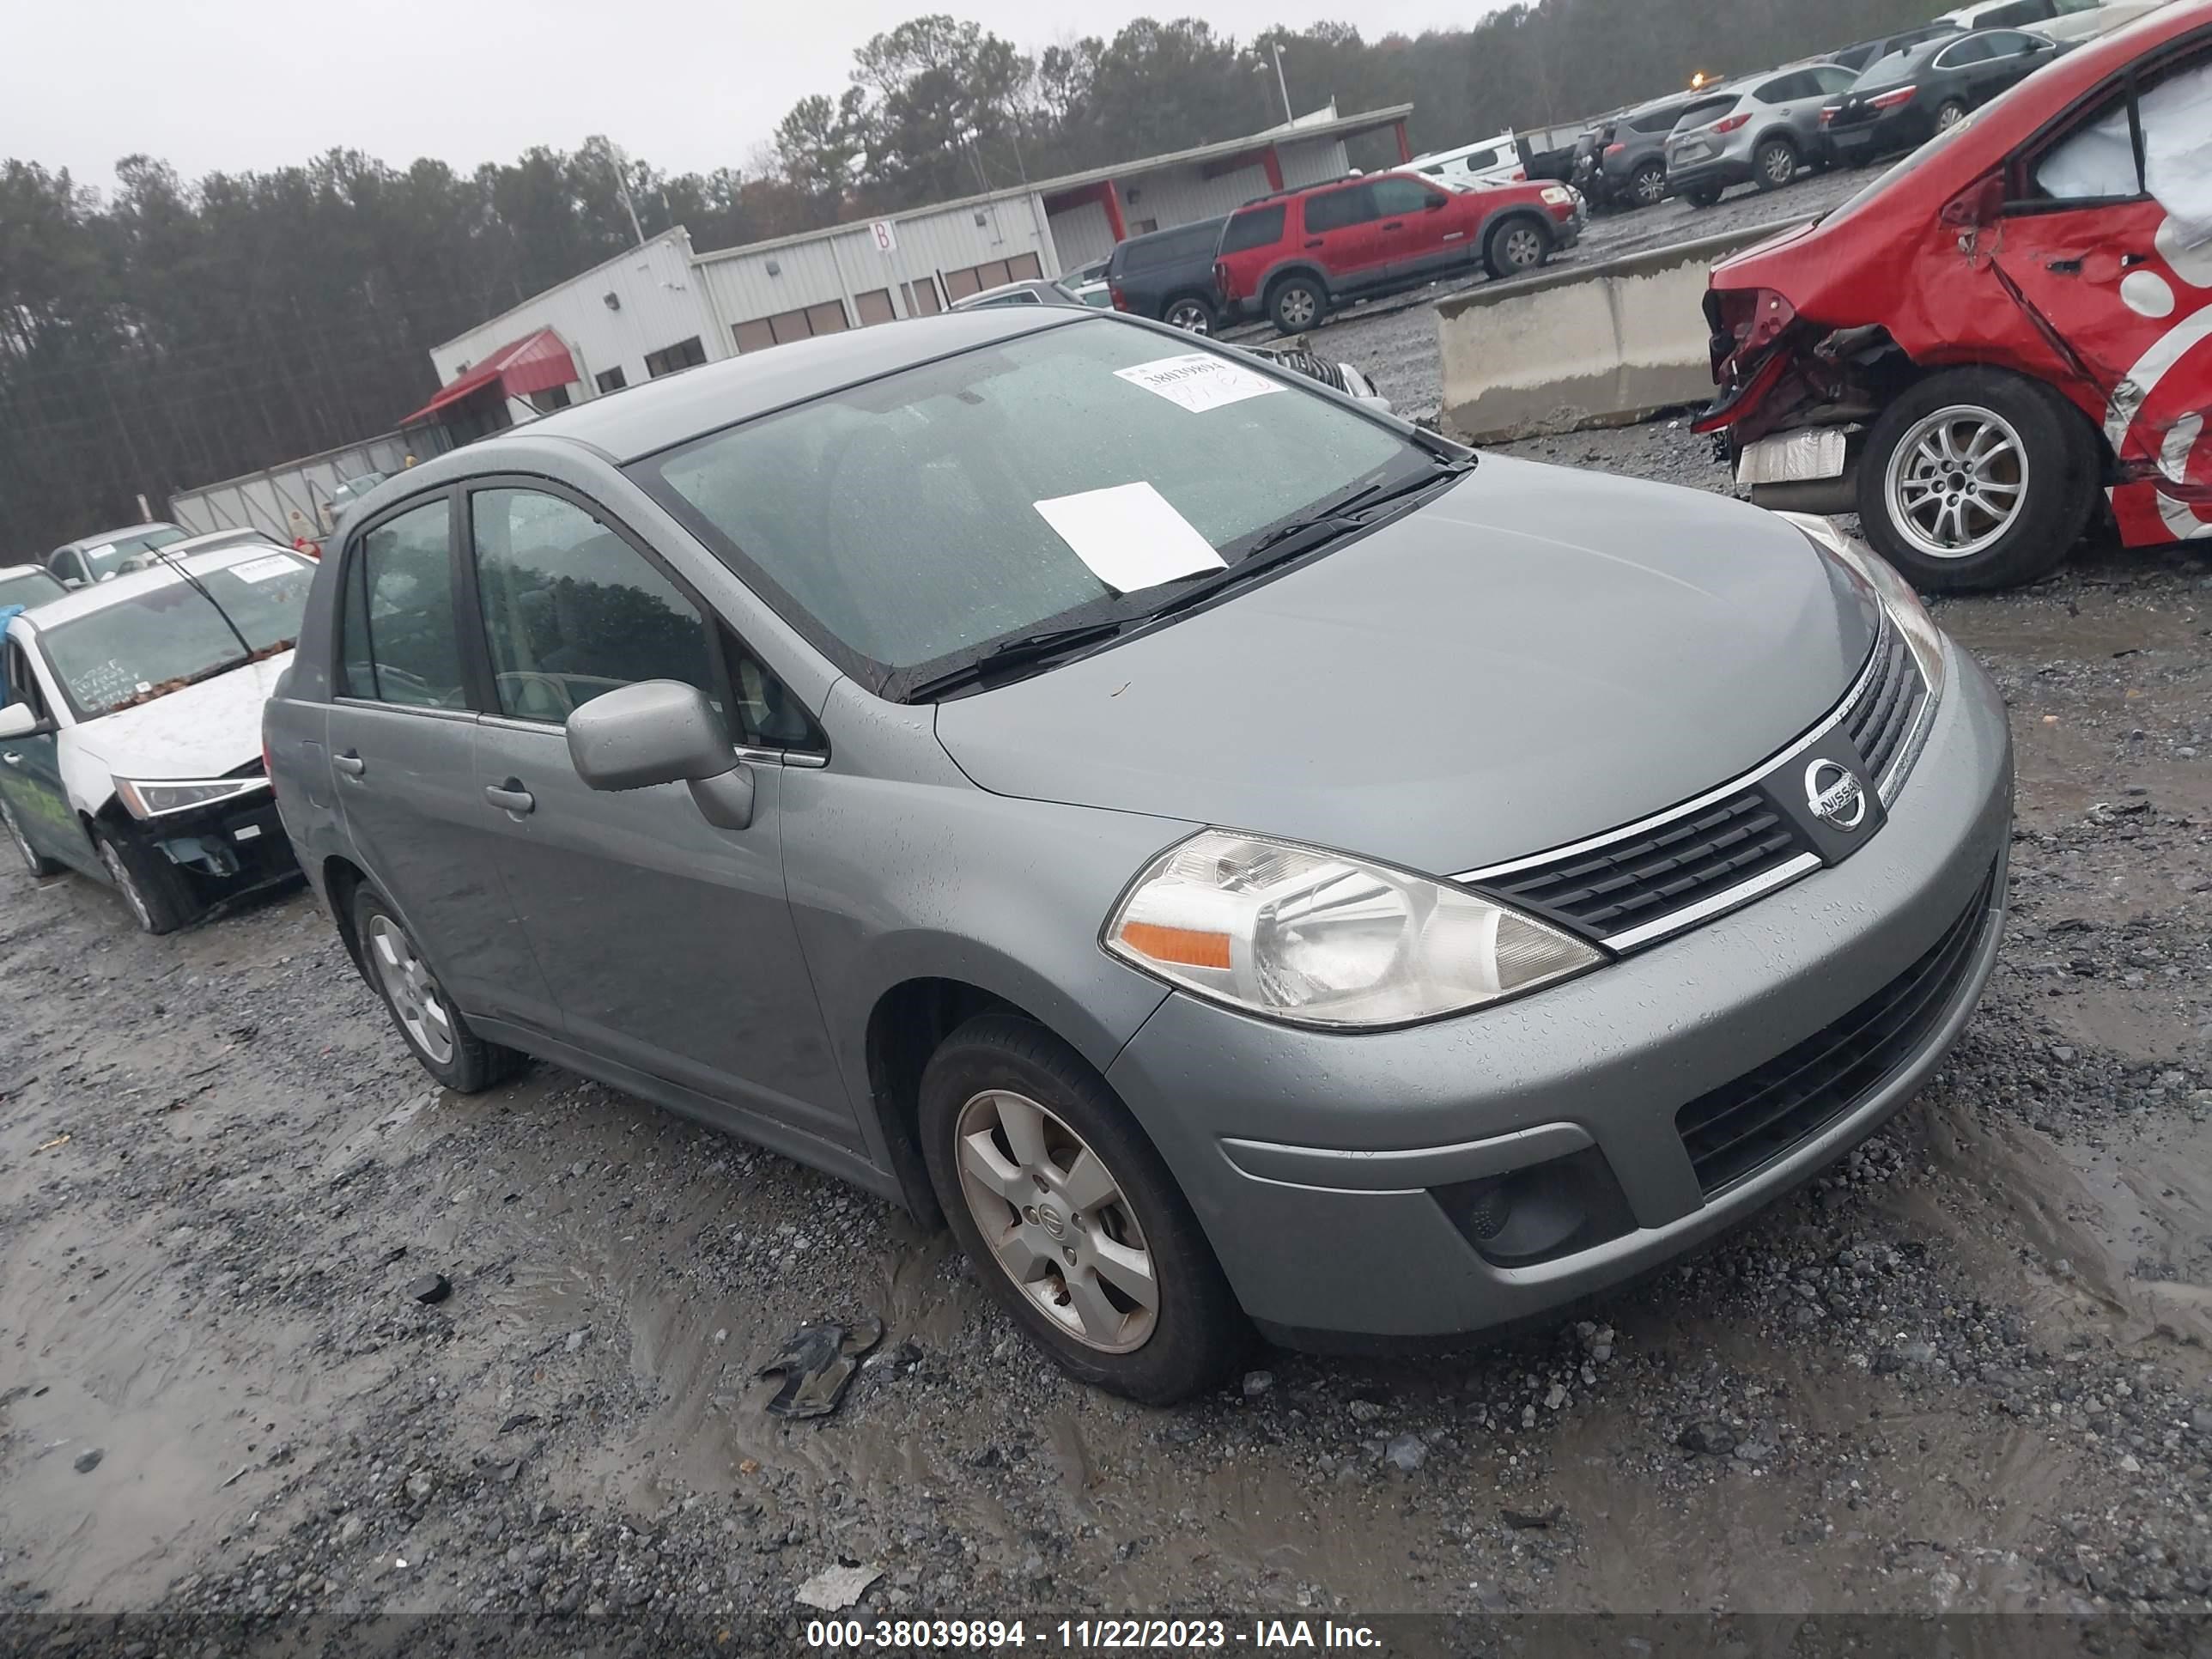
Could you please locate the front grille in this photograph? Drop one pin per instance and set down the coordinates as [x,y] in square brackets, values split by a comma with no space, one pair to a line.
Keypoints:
[1888,702]
[1744,1125]
[1621,885]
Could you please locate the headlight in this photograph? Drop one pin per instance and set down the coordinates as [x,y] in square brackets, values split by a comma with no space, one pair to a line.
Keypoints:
[1555,196]
[1313,938]
[1896,594]
[144,798]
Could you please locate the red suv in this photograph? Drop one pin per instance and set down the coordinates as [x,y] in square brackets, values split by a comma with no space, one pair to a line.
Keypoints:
[1291,257]
[2008,330]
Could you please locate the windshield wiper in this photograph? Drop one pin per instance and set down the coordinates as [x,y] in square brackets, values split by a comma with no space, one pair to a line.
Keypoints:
[1029,648]
[1302,536]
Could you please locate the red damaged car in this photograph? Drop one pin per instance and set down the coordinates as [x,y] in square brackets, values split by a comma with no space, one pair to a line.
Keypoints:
[2009,329]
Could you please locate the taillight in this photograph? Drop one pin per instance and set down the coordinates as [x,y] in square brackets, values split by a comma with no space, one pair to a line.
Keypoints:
[1897,99]
[1732,122]
[268,761]
[1829,113]
[1121,300]
[1745,319]
[1615,149]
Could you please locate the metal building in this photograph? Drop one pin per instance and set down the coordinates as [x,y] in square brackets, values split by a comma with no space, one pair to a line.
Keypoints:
[661,307]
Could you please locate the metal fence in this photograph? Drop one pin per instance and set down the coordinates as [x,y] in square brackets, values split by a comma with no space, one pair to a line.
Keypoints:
[294,498]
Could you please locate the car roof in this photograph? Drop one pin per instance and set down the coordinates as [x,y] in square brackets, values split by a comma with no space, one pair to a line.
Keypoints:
[192,544]
[116,535]
[1026,285]
[7,570]
[1172,230]
[85,601]
[676,407]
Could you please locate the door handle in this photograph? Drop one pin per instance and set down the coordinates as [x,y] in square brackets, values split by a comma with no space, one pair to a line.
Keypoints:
[2062,267]
[2130,261]
[1395,224]
[1313,242]
[510,797]
[350,764]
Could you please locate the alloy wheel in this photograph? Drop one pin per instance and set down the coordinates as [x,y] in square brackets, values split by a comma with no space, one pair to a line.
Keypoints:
[1957,482]
[1057,1221]
[1296,309]
[1523,248]
[414,997]
[1948,117]
[119,872]
[1781,166]
[1189,316]
[1651,185]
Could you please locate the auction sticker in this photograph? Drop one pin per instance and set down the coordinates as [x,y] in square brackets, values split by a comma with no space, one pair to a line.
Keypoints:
[266,570]
[1199,380]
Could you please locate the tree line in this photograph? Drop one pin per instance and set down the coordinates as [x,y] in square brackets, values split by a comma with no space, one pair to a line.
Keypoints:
[173,332]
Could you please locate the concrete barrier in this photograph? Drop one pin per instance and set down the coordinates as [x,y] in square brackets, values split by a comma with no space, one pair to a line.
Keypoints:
[1602,345]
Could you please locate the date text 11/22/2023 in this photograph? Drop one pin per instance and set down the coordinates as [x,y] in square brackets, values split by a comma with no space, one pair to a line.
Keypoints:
[1091,1635]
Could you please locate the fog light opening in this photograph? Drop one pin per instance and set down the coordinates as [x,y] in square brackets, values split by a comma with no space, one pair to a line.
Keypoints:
[1539,1214]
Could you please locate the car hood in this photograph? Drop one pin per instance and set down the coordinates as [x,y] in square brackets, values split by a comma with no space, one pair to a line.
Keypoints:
[200,732]
[1536,656]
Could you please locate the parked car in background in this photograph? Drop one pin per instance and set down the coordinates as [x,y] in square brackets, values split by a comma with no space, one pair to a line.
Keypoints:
[1292,257]
[1625,162]
[1499,160]
[893,828]
[2000,14]
[351,490]
[1857,56]
[1905,99]
[28,585]
[2011,326]
[2080,20]
[212,541]
[1089,285]
[1032,291]
[95,558]
[130,750]
[1168,276]
[1761,130]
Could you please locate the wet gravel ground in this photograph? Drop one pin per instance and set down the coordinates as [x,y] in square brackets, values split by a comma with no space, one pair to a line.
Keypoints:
[1394,338]
[1966,1370]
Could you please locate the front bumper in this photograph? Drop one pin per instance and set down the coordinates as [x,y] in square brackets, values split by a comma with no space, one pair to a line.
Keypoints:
[229,850]
[1321,1164]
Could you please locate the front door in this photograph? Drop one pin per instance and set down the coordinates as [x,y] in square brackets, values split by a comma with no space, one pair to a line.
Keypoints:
[2095,260]
[401,739]
[31,773]
[1340,235]
[1415,231]
[669,943]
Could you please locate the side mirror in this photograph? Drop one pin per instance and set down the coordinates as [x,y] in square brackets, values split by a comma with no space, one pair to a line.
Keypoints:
[1978,206]
[16,721]
[662,731]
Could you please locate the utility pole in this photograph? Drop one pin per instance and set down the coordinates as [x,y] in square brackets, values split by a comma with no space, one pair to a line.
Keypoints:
[1282,85]
[622,188]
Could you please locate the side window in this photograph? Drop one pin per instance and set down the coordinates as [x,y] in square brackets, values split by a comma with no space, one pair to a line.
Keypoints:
[1397,196]
[572,611]
[1336,209]
[2012,45]
[1974,48]
[66,565]
[2096,161]
[1258,227]
[1784,87]
[1831,78]
[22,684]
[398,636]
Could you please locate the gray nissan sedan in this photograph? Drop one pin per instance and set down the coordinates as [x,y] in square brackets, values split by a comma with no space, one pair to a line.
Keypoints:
[1244,860]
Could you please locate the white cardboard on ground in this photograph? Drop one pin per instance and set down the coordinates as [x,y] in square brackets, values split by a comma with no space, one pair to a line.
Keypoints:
[1130,536]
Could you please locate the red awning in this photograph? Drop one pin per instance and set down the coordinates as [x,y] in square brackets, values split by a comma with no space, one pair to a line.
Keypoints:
[536,363]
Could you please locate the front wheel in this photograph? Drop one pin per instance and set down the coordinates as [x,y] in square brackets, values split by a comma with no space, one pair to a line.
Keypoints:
[1071,1218]
[152,886]
[1194,316]
[1975,479]
[1297,304]
[1646,185]
[1516,248]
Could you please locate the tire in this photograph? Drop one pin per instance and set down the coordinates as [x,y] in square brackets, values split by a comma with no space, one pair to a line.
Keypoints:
[1516,247]
[1296,304]
[1775,164]
[1948,114]
[2008,512]
[1194,1335]
[421,1013]
[35,861]
[150,885]
[1703,196]
[1190,313]
[1646,185]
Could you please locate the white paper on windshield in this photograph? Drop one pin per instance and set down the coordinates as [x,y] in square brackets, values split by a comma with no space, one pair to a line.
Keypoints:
[1130,536]
[1199,380]
[264,570]
[92,555]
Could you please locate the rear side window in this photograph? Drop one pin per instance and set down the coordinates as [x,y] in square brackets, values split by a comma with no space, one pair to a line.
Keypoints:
[1661,120]
[1334,209]
[401,645]
[1974,48]
[1254,228]
[1705,110]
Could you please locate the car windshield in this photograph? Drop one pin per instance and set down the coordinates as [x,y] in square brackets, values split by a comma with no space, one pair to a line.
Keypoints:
[105,558]
[30,588]
[904,525]
[164,638]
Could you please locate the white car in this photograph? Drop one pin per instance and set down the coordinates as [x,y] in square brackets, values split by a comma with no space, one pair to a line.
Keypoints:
[2084,20]
[1493,162]
[130,743]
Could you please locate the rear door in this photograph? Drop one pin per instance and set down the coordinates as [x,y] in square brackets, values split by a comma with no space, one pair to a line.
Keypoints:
[401,737]
[1340,235]
[31,772]
[669,943]
[1416,234]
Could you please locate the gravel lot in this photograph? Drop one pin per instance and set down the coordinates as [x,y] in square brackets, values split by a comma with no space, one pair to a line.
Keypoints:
[1966,1370]
[1394,338]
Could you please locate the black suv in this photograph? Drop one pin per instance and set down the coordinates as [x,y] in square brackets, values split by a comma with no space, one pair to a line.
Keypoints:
[1169,275]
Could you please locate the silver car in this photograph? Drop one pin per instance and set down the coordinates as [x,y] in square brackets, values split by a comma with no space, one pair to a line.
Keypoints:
[1761,130]
[1244,861]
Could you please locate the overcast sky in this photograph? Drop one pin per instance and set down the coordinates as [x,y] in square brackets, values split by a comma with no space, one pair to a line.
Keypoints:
[689,85]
